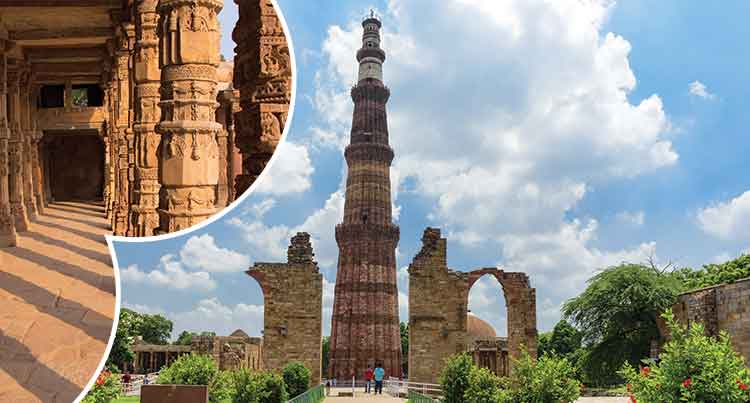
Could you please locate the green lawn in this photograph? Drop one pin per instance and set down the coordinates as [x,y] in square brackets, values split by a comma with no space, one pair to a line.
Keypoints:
[130,399]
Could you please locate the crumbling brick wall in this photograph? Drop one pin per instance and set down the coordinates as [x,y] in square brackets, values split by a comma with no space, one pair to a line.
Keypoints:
[438,309]
[720,308]
[293,306]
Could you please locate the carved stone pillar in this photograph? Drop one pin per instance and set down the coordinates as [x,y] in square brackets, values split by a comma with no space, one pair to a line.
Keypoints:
[144,217]
[7,226]
[263,74]
[16,151]
[36,171]
[29,196]
[124,132]
[189,57]
[224,191]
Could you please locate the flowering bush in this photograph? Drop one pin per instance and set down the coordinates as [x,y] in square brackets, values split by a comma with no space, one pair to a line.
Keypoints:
[105,389]
[693,368]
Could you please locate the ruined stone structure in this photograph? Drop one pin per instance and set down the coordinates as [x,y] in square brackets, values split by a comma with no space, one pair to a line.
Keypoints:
[485,347]
[438,309]
[365,325]
[235,351]
[116,100]
[719,308]
[292,308]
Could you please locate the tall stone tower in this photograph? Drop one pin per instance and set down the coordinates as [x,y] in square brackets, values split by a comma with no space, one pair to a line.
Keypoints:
[365,325]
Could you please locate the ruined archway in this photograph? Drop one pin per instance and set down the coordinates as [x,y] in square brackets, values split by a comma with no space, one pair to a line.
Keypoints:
[487,325]
[438,309]
[292,308]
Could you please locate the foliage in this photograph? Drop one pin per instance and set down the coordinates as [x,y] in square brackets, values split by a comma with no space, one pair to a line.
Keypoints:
[455,377]
[154,329]
[617,314]
[550,379]
[186,338]
[326,348]
[296,378]
[565,339]
[105,389]
[485,387]
[405,348]
[715,274]
[543,344]
[197,369]
[693,368]
[258,387]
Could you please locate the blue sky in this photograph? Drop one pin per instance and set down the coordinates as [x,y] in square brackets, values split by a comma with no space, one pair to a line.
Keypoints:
[554,138]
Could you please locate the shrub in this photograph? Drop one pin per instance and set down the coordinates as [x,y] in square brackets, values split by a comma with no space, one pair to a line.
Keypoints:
[455,378]
[296,378]
[694,368]
[550,379]
[258,387]
[105,389]
[485,387]
[196,369]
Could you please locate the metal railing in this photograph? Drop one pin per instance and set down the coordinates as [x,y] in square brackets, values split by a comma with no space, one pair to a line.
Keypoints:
[314,395]
[414,397]
[399,388]
[133,388]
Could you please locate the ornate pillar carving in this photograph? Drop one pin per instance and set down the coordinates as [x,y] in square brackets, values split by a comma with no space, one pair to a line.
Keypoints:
[263,74]
[16,151]
[122,123]
[36,164]
[29,196]
[225,191]
[189,57]
[147,75]
[7,226]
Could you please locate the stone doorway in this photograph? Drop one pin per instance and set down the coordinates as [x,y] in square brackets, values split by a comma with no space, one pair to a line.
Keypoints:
[75,163]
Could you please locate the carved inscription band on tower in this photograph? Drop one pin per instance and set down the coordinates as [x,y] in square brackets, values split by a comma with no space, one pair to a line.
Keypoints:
[365,324]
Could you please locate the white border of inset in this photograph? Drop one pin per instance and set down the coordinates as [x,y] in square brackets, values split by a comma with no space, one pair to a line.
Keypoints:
[112,238]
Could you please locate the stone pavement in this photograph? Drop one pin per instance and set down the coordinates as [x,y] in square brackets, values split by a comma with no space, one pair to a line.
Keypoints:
[57,293]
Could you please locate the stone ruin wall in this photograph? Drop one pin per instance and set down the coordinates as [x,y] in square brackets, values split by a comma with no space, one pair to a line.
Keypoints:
[230,352]
[720,308]
[438,309]
[293,308]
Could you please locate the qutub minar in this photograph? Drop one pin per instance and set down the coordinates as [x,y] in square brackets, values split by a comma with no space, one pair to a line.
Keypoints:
[365,324]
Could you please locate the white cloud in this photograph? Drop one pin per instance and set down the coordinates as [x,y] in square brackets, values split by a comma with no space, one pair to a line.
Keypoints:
[728,220]
[169,274]
[699,89]
[633,218]
[201,252]
[487,302]
[291,172]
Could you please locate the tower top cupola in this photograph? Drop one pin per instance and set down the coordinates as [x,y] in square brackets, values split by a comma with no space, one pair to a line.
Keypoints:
[370,56]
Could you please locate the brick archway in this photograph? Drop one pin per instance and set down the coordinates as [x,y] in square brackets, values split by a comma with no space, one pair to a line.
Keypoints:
[438,309]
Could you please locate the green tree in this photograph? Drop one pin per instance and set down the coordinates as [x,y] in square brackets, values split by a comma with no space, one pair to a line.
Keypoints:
[405,348]
[122,353]
[296,378]
[197,369]
[455,377]
[565,339]
[715,274]
[185,338]
[485,387]
[543,346]
[326,347]
[617,315]
[155,329]
[258,387]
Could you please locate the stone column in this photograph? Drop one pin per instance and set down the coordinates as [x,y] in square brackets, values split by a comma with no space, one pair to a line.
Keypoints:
[36,138]
[223,116]
[7,226]
[189,57]
[263,74]
[25,91]
[16,151]
[144,217]
[124,138]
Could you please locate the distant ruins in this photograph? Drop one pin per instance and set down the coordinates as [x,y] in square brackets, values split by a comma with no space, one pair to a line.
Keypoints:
[128,101]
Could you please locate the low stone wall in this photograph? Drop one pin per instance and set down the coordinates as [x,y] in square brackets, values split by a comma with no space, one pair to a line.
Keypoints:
[720,308]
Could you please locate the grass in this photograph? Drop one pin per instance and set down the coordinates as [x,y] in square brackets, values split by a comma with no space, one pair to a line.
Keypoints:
[129,399]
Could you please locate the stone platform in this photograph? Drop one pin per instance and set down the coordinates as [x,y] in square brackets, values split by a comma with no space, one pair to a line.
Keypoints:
[57,293]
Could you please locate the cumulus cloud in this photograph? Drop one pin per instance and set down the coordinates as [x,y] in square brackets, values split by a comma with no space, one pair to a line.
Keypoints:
[728,220]
[700,90]
[201,252]
[169,273]
[291,171]
[487,302]
[633,218]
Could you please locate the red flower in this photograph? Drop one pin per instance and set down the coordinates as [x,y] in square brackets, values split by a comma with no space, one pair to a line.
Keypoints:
[743,386]
[645,371]
[632,399]
[630,387]
[687,382]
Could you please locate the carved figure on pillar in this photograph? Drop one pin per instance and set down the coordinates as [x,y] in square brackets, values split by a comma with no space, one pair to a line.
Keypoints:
[189,159]
[365,325]
[144,217]
[124,136]
[15,152]
[7,226]
[263,75]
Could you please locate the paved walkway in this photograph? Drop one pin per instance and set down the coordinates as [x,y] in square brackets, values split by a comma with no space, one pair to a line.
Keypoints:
[57,299]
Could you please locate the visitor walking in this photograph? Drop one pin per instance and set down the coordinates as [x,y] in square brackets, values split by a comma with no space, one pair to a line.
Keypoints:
[379,374]
[328,387]
[368,379]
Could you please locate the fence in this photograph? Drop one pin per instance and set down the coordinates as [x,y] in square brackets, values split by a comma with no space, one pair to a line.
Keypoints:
[399,388]
[133,388]
[415,397]
[314,395]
